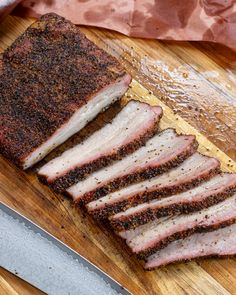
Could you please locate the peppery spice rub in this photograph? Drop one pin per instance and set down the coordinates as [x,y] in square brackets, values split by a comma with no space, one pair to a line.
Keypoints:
[162,152]
[206,194]
[53,81]
[150,237]
[218,243]
[194,170]
[129,130]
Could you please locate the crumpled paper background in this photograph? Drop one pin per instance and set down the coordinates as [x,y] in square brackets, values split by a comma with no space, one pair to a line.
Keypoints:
[209,20]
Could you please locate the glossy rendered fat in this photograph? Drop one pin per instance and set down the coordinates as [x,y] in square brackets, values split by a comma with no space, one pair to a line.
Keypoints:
[161,152]
[204,195]
[53,81]
[148,237]
[135,123]
[191,171]
[220,242]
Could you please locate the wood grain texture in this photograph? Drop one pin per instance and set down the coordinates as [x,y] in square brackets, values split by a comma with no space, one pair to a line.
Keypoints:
[170,71]
[12,285]
[198,87]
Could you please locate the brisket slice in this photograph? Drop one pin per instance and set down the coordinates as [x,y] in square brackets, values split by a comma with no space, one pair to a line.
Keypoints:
[129,130]
[53,81]
[146,239]
[205,195]
[162,152]
[220,243]
[188,174]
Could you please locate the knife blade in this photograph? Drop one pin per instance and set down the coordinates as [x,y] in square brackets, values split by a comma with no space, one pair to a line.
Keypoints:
[39,258]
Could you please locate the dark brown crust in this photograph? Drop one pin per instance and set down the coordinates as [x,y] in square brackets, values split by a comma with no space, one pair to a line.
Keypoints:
[193,258]
[73,176]
[138,176]
[46,75]
[181,207]
[114,208]
[181,235]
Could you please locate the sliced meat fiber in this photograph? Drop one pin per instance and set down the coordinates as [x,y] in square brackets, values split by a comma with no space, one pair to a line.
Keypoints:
[204,195]
[188,174]
[129,130]
[218,243]
[59,81]
[146,239]
[162,152]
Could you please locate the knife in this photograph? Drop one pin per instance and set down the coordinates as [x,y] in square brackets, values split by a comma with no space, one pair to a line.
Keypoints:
[39,258]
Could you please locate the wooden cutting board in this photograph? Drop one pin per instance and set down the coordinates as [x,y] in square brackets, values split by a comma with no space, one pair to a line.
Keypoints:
[195,85]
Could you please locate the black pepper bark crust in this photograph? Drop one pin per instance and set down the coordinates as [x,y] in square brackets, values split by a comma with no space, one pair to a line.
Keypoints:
[221,256]
[135,220]
[138,176]
[47,74]
[60,184]
[111,209]
[181,235]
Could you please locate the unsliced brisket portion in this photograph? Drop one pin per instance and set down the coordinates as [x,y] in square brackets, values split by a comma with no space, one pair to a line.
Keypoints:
[220,243]
[129,130]
[205,195]
[188,174]
[146,239]
[162,152]
[53,81]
